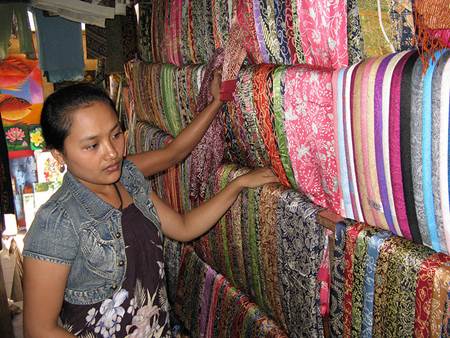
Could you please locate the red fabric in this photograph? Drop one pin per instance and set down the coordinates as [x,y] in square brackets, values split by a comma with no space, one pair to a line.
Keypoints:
[213,304]
[227,90]
[290,32]
[350,246]
[424,293]
[260,94]
[247,23]
[309,129]
[324,279]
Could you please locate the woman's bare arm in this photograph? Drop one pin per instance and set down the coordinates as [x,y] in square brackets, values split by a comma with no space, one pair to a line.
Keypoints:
[155,161]
[188,226]
[44,285]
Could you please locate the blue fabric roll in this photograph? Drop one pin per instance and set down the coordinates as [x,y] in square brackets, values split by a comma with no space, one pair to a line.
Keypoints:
[60,47]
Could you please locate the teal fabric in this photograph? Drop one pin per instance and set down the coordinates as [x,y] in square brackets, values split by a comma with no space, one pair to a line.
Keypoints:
[60,48]
[426,154]
[374,245]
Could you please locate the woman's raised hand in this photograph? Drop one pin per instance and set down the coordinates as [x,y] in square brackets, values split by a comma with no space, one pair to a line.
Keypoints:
[215,85]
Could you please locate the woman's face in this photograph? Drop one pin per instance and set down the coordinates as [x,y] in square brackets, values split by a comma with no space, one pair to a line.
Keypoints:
[94,147]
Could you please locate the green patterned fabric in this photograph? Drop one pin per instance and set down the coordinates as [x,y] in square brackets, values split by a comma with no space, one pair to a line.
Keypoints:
[278,116]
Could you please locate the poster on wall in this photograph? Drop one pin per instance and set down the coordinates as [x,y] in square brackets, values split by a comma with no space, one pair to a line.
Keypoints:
[21,91]
[21,100]
[36,138]
[48,169]
[23,175]
[17,138]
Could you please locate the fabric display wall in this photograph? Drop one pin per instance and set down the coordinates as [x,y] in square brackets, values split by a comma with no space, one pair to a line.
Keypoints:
[392,134]
[183,32]
[338,137]
[166,88]
[269,246]
[243,244]
[310,111]
[164,95]
[385,286]
[281,32]
[261,127]
[210,306]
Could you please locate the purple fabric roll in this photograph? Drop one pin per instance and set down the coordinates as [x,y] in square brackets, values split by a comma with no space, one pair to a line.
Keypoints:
[394,147]
[259,33]
[379,141]
[208,154]
[206,299]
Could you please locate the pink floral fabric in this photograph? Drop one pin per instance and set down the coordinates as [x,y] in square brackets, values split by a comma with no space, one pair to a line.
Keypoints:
[309,117]
[323,31]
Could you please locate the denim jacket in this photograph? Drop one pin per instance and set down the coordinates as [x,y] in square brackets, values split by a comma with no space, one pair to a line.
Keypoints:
[78,228]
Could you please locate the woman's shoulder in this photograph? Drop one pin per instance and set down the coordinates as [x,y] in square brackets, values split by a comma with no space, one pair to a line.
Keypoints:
[51,216]
[53,207]
[51,236]
[133,178]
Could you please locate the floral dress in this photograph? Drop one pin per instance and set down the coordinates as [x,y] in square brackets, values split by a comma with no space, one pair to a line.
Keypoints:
[140,307]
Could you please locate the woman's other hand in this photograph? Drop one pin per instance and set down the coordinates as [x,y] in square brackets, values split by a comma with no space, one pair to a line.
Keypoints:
[257,178]
[197,221]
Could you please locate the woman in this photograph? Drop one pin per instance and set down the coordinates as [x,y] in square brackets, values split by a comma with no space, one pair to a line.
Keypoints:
[93,255]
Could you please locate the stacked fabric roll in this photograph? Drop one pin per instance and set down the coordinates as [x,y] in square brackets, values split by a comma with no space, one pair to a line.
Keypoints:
[392,134]
[270,246]
[171,185]
[383,285]
[288,32]
[209,306]
[287,116]
[183,32]
[280,32]
[364,141]
[164,95]
[388,162]
[281,116]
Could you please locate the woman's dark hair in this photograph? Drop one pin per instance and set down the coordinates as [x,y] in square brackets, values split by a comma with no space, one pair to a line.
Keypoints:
[57,109]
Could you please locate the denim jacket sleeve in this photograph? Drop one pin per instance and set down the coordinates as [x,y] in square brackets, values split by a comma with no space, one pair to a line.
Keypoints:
[134,178]
[51,236]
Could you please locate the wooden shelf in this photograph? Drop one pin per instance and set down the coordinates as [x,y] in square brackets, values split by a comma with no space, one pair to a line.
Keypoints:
[328,219]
